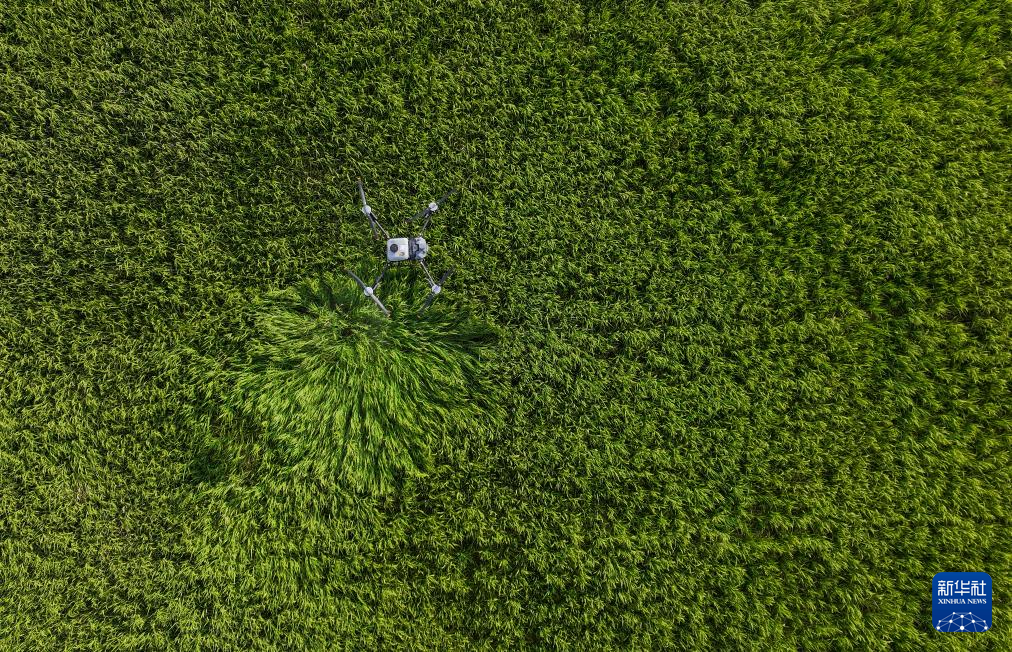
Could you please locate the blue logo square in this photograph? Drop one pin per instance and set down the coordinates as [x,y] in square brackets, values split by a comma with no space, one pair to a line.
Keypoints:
[961,602]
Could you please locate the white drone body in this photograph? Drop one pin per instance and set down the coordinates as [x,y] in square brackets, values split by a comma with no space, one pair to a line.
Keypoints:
[400,250]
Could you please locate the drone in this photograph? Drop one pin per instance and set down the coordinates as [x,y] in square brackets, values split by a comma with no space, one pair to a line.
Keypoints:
[399,250]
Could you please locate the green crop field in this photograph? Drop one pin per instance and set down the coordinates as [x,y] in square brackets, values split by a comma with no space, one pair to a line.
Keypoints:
[725,363]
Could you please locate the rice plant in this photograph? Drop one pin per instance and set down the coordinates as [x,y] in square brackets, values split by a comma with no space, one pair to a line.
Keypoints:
[351,390]
[748,266]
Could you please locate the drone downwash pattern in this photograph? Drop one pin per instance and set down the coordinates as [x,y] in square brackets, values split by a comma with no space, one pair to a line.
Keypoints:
[399,250]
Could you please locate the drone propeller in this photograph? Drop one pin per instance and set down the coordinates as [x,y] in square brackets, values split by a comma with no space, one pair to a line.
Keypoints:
[368,291]
[436,289]
[366,208]
[433,206]
[367,211]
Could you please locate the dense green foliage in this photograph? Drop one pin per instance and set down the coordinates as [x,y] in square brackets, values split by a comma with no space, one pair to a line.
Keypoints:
[349,391]
[750,263]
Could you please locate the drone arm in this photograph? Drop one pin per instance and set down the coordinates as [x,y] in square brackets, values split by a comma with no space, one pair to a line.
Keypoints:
[380,277]
[372,225]
[425,268]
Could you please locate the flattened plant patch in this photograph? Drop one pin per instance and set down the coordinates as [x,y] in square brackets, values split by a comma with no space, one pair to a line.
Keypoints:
[347,389]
